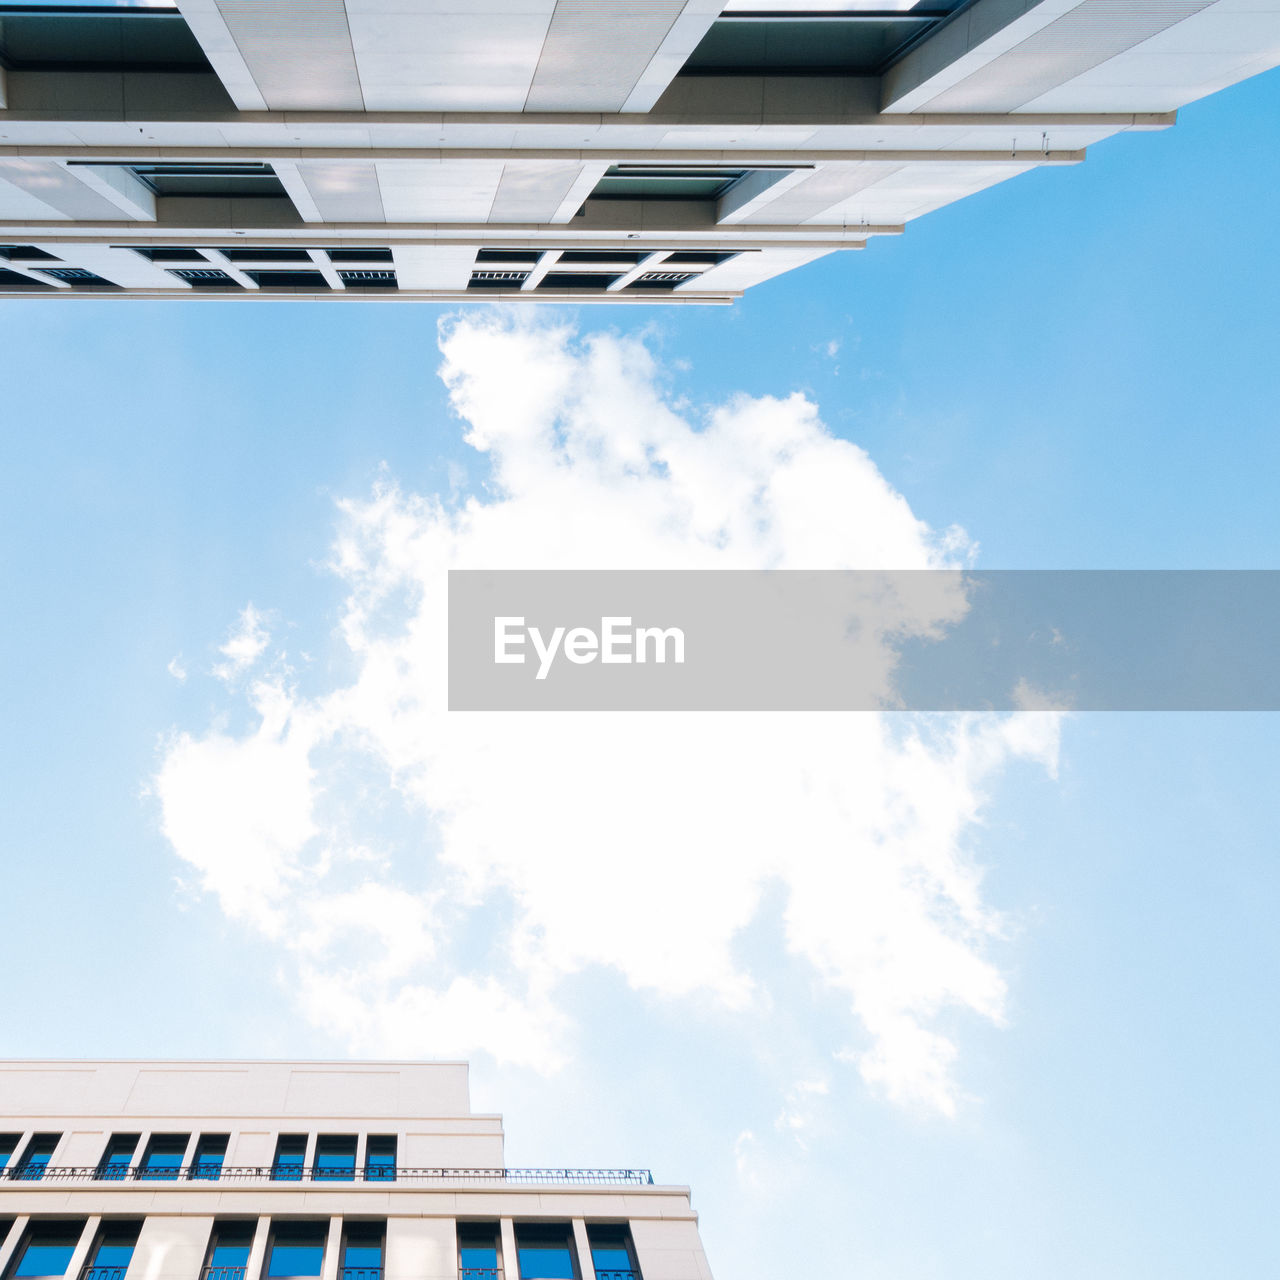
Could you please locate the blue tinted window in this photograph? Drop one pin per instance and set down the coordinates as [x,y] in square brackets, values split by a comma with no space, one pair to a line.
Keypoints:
[115,1167]
[335,1158]
[291,1151]
[163,1157]
[48,1251]
[298,1249]
[231,1244]
[296,1260]
[478,1255]
[8,1144]
[545,1262]
[211,1150]
[380,1159]
[113,1255]
[362,1255]
[31,1166]
[45,1260]
[609,1257]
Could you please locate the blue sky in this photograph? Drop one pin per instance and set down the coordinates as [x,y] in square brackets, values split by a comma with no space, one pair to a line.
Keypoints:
[1076,367]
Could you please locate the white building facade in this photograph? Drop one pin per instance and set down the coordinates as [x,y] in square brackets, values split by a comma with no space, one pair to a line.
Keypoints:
[304,1171]
[591,150]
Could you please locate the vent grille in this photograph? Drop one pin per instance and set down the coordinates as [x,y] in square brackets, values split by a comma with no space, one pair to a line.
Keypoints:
[203,277]
[369,279]
[498,279]
[76,275]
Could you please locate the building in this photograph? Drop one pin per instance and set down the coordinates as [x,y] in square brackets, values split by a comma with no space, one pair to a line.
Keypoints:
[304,1171]
[609,150]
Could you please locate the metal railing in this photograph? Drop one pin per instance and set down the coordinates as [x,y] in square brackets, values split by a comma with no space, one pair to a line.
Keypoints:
[103,1273]
[360,1273]
[478,1273]
[311,1173]
[222,1273]
[615,1274]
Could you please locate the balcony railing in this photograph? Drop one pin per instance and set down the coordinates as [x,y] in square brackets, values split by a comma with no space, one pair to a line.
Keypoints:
[103,1273]
[222,1273]
[478,1273]
[615,1274]
[311,1173]
[360,1273]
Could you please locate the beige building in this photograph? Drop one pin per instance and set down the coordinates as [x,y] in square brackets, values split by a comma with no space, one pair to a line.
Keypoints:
[304,1171]
[606,150]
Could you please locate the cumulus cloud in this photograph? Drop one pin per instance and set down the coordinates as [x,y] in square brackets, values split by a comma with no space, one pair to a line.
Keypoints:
[244,646]
[541,846]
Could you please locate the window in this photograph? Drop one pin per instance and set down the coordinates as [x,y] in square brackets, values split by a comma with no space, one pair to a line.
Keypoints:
[265,255]
[360,255]
[362,1250]
[10,280]
[612,1253]
[229,1247]
[113,1251]
[118,1156]
[478,1255]
[644,182]
[25,253]
[216,180]
[380,1158]
[545,1251]
[289,279]
[34,1160]
[169,253]
[162,1160]
[97,37]
[602,255]
[836,38]
[576,280]
[528,256]
[291,1152]
[706,257]
[297,1248]
[8,1145]
[211,1150]
[335,1158]
[47,1248]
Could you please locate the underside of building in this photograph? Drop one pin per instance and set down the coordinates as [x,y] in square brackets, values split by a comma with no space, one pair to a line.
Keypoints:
[584,150]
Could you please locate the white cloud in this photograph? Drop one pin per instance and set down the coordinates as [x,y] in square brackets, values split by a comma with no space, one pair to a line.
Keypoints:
[801,1108]
[244,646]
[639,843]
[176,669]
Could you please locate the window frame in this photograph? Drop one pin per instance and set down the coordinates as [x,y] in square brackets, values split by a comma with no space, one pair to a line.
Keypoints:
[273,1239]
[488,1230]
[74,1227]
[29,1167]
